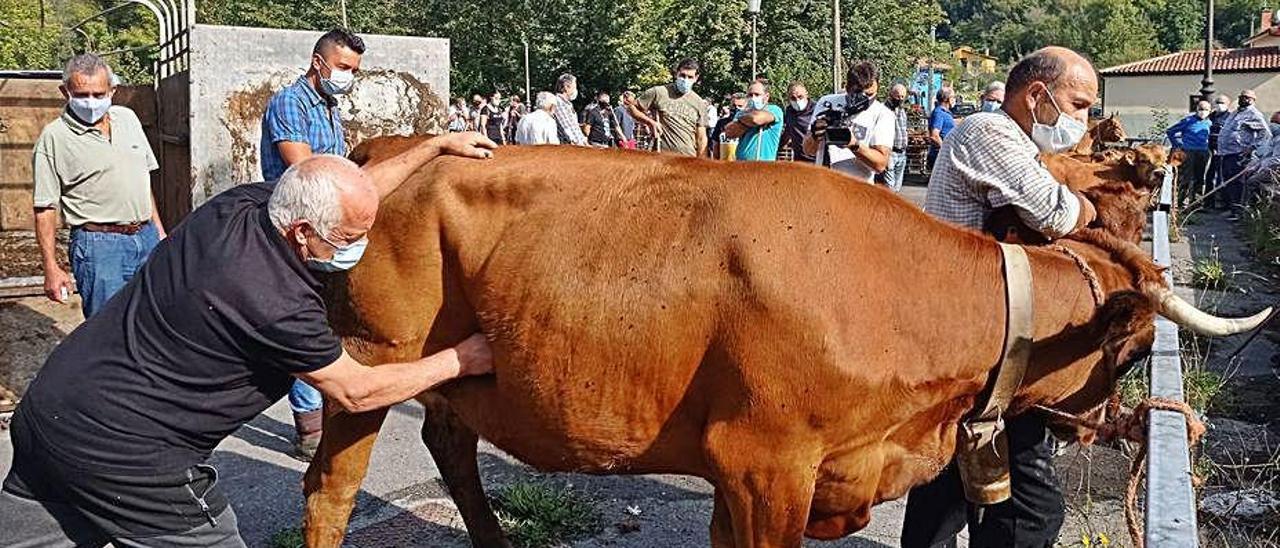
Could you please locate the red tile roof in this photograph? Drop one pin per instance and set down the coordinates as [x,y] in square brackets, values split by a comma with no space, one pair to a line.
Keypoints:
[1265,59]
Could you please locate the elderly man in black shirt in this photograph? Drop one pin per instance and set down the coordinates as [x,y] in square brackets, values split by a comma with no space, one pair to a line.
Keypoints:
[111,438]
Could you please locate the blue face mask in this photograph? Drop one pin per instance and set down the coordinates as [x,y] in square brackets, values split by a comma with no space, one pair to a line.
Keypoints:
[344,256]
[684,85]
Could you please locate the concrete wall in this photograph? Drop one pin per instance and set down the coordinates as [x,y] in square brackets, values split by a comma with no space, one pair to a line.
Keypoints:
[1133,97]
[402,88]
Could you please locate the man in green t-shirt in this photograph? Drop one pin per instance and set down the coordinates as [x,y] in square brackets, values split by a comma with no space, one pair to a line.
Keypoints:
[681,115]
[757,127]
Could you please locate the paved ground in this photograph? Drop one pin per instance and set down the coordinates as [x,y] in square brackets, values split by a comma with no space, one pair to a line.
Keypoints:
[402,502]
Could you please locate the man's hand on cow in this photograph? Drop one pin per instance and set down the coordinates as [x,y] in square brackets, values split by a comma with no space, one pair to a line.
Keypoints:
[468,144]
[1087,212]
[474,356]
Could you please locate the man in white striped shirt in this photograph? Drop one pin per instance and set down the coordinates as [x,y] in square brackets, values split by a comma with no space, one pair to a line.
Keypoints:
[989,161]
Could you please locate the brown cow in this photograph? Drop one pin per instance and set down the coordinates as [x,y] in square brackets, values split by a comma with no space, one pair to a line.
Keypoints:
[1122,184]
[804,341]
[1109,130]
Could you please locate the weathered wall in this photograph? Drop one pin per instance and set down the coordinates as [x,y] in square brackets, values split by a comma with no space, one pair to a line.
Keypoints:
[26,106]
[1133,97]
[402,88]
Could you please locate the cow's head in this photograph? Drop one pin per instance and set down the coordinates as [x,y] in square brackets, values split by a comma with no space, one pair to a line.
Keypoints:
[1109,130]
[1076,369]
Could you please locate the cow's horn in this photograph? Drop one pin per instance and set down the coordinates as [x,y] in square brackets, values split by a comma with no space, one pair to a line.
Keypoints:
[1187,315]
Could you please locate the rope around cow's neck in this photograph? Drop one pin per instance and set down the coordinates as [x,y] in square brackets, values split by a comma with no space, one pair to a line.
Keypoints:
[1133,426]
[1090,276]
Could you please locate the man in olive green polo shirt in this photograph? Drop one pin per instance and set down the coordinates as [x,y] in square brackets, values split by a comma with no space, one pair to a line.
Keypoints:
[94,163]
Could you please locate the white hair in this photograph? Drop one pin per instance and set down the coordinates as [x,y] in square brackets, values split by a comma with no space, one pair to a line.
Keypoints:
[87,64]
[995,86]
[546,99]
[308,192]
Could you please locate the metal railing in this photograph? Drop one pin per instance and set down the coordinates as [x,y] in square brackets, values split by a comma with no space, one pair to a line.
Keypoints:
[1171,500]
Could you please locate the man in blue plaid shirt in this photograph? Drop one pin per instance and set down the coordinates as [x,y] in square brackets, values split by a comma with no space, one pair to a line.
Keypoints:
[302,120]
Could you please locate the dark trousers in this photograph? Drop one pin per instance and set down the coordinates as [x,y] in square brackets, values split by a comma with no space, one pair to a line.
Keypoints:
[1192,175]
[1236,193]
[47,502]
[1031,518]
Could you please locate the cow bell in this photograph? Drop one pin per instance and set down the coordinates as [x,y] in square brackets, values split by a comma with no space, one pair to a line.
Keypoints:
[982,458]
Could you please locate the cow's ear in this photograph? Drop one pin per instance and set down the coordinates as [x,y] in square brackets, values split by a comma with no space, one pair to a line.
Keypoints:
[1177,158]
[1128,330]
[1129,157]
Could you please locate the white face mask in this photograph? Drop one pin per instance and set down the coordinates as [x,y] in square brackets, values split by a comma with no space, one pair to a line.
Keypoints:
[89,109]
[1222,107]
[338,82]
[756,103]
[800,104]
[1062,135]
[344,256]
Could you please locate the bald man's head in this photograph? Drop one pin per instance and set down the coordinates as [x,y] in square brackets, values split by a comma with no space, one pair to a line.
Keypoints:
[898,92]
[323,204]
[1049,82]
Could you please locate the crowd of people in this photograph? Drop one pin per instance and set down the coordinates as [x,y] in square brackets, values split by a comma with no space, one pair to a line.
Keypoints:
[1237,148]
[186,341]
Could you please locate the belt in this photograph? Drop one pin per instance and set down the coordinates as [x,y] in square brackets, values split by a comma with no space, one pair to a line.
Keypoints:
[899,150]
[126,228]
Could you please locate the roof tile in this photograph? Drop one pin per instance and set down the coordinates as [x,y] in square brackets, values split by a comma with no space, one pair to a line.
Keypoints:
[1192,62]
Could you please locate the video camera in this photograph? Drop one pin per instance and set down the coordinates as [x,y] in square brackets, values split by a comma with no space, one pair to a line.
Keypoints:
[834,116]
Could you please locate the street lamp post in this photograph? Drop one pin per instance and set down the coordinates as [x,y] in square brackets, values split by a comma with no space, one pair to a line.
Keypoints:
[753,7]
[1206,85]
[835,46]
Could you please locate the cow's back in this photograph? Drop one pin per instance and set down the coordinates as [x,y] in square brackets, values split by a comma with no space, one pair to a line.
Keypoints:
[624,292]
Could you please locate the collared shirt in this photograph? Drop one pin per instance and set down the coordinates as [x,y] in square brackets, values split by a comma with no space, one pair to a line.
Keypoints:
[900,128]
[95,179]
[795,126]
[567,123]
[1243,131]
[205,337]
[988,162]
[942,120]
[538,128]
[1190,133]
[299,114]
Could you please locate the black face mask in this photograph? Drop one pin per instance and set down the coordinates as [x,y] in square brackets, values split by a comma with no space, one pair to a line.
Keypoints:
[856,102]
[603,102]
[893,103]
[1245,102]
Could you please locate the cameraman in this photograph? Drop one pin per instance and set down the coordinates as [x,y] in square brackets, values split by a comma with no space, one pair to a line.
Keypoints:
[870,126]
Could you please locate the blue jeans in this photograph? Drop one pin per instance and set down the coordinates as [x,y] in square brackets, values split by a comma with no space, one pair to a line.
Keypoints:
[103,262]
[303,398]
[896,171]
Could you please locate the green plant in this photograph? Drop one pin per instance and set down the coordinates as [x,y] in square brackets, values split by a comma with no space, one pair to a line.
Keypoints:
[1208,272]
[540,514]
[287,538]
[1261,225]
[1160,121]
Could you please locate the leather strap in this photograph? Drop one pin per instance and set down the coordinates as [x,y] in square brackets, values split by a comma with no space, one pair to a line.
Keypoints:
[1018,332]
[983,452]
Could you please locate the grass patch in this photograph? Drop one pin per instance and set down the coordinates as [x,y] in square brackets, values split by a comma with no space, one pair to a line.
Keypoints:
[287,538]
[1203,389]
[1208,273]
[1261,226]
[542,515]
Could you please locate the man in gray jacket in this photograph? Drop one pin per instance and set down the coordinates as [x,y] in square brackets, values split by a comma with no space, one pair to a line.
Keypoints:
[1242,133]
